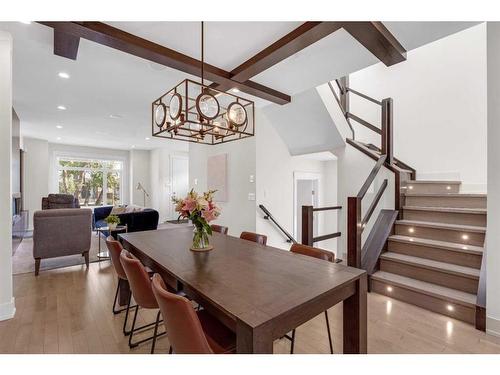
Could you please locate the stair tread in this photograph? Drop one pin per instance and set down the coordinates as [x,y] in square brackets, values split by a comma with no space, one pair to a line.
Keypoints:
[453,295]
[431,224]
[462,195]
[434,182]
[433,264]
[459,210]
[439,244]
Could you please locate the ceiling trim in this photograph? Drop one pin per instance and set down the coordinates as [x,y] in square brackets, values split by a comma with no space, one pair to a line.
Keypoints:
[110,36]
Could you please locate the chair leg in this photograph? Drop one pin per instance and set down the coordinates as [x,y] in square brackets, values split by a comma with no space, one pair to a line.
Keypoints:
[155,333]
[37,266]
[132,330]
[293,341]
[125,332]
[329,333]
[170,350]
[86,255]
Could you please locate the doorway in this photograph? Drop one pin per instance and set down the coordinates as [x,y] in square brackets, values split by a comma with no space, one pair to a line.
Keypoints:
[306,193]
[179,177]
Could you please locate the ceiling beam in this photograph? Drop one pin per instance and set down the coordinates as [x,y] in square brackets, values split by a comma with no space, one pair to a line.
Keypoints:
[302,37]
[107,35]
[66,45]
[375,37]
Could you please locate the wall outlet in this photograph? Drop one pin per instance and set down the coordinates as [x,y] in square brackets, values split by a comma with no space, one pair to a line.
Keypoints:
[251,196]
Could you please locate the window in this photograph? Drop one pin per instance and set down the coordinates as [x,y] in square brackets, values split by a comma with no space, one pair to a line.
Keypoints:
[93,182]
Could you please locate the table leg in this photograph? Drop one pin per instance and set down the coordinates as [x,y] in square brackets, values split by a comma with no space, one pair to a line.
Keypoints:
[124,292]
[252,341]
[355,319]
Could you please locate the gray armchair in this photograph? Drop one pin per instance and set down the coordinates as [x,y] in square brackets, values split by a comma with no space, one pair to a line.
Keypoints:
[61,232]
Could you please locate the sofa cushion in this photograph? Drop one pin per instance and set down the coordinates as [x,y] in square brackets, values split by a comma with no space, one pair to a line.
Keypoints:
[117,210]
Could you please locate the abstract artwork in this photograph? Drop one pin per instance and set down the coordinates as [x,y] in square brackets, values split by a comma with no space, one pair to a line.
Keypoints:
[217,176]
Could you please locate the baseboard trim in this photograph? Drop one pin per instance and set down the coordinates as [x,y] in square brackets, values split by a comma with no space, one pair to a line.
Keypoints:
[7,310]
[493,326]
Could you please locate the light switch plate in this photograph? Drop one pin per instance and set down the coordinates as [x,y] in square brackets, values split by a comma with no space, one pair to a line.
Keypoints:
[251,196]
[196,181]
[252,178]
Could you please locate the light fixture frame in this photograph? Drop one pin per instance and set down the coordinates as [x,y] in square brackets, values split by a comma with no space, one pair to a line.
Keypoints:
[192,126]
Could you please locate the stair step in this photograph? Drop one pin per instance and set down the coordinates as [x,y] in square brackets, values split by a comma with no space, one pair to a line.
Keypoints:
[433,265]
[451,215]
[468,249]
[445,274]
[432,186]
[446,200]
[437,298]
[462,234]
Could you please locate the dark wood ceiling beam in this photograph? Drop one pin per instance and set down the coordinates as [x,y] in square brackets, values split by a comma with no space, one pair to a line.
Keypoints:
[66,45]
[107,35]
[375,37]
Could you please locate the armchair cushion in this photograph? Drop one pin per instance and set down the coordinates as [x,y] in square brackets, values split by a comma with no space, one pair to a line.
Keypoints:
[55,201]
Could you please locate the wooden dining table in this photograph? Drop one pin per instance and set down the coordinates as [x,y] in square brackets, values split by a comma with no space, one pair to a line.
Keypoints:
[259,292]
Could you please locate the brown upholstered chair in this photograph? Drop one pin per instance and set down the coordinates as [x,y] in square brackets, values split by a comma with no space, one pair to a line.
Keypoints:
[255,237]
[54,201]
[219,228]
[140,285]
[319,254]
[189,331]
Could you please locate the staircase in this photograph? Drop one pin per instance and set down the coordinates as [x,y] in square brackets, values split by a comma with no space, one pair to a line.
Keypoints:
[433,259]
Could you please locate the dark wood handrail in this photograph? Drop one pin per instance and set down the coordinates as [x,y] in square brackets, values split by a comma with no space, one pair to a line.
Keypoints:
[271,217]
[315,209]
[372,207]
[365,123]
[364,96]
[371,177]
[326,237]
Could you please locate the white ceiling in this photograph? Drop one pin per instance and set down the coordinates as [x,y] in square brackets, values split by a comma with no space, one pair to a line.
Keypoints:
[107,82]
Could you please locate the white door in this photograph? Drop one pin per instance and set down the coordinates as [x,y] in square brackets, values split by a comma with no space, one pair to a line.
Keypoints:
[179,175]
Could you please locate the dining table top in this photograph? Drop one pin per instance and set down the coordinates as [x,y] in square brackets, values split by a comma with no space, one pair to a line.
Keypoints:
[251,283]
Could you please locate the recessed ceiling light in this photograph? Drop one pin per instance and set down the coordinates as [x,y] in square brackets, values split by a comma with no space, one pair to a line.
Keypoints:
[59,126]
[63,75]
[133,146]
[26,22]
[147,138]
[61,107]
[235,90]
[115,116]
[58,138]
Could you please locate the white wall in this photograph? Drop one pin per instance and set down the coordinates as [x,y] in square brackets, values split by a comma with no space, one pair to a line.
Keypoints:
[439,98]
[493,225]
[275,185]
[140,172]
[7,307]
[238,212]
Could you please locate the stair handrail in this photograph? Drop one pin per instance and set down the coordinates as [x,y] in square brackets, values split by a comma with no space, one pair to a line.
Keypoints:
[269,216]
[308,225]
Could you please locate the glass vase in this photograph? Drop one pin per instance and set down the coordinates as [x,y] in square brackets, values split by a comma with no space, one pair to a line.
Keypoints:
[200,238]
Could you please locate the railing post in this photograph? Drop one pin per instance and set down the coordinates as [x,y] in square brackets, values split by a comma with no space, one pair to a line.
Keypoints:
[344,95]
[354,232]
[387,122]
[307,225]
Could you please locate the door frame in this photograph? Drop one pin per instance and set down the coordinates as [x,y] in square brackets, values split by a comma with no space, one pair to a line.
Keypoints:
[315,176]
[171,211]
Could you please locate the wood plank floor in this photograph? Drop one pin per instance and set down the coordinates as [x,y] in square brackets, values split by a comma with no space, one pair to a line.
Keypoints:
[69,311]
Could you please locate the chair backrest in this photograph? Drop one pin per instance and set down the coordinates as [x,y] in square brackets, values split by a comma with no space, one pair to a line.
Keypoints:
[139,281]
[255,237]
[313,252]
[185,332]
[54,201]
[115,249]
[219,228]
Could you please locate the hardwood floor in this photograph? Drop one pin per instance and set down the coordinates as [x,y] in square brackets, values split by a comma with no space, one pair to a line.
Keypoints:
[68,310]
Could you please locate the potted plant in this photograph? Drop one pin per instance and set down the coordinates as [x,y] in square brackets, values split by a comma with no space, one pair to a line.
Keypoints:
[112,221]
[201,210]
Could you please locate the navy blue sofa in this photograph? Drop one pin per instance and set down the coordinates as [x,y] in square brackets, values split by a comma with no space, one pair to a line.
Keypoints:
[135,221]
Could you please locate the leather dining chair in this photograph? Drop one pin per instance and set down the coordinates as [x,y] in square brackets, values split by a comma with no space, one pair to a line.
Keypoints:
[219,228]
[255,237]
[190,331]
[319,254]
[140,285]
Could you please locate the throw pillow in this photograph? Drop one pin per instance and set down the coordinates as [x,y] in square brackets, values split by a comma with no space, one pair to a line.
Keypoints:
[117,210]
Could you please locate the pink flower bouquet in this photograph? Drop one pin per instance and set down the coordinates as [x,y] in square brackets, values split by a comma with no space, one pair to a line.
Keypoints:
[201,210]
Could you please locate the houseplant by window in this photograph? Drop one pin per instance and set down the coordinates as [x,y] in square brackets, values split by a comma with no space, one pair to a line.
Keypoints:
[112,221]
[201,210]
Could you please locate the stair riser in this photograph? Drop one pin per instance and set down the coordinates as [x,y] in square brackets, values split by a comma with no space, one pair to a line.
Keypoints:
[432,188]
[453,281]
[458,202]
[436,253]
[446,217]
[474,238]
[438,305]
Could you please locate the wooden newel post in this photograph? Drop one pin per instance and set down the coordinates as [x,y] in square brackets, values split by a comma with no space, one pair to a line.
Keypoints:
[344,97]
[307,225]
[387,125]
[354,231]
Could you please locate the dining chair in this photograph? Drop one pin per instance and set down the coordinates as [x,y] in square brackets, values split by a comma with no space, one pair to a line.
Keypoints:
[190,331]
[140,285]
[319,254]
[255,237]
[219,228]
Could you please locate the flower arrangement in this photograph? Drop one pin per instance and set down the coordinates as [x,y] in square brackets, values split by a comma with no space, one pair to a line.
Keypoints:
[201,210]
[112,221]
